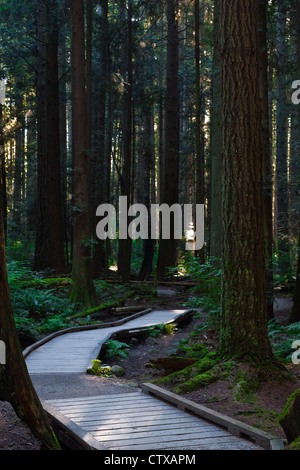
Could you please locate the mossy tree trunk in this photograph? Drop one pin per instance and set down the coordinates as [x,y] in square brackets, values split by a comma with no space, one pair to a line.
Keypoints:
[244,332]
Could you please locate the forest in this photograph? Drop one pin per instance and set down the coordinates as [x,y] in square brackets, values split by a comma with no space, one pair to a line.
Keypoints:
[109,105]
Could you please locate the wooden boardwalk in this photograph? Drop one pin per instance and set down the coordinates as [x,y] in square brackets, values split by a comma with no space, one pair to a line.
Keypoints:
[73,352]
[136,421]
[131,421]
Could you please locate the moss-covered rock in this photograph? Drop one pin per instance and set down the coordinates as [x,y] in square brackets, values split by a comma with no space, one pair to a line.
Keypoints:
[295,445]
[290,417]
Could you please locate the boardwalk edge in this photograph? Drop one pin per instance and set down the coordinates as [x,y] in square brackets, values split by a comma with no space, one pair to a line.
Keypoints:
[69,432]
[237,428]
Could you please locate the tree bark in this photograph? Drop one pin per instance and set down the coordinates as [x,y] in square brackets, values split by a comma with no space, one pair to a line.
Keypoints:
[102,163]
[124,256]
[199,134]
[216,148]
[244,333]
[295,314]
[49,249]
[15,383]
[266,147]
[282,137]
[83,288]
[167,248]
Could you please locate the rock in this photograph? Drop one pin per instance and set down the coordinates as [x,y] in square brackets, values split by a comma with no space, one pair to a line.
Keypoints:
[118,371]
[290,417]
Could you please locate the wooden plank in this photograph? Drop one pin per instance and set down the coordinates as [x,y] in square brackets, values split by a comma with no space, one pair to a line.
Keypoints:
[167,423]
[99,407]
[160,438]
[143,427]
[102,404]
[154,433]
[95,399]
[215,443]
[111,415]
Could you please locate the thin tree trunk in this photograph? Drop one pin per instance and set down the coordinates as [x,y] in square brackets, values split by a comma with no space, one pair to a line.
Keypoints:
[83,288]
[216,148]
[295,314]
[266,147]
[168,248]
[102,159]
[49,249]
[18,174]
[281,142]
[3,174]
[199,135]
[124,257]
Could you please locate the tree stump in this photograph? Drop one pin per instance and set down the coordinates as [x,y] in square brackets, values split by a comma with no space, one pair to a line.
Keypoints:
[290,417]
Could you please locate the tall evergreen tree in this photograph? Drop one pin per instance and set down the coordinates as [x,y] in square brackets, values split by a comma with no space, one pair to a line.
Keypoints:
[82,288]
[49,248]
[244,332]
[170,195]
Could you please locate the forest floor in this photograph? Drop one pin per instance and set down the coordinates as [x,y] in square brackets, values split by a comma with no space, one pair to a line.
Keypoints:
[261,409]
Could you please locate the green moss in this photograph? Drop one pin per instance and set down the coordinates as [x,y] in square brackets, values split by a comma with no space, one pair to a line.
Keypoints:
[245,386]
[295,445]
[288,405]
[200,381]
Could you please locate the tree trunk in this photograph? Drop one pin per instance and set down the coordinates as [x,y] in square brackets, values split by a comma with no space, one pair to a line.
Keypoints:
[199,135]
[102,159]
[266,147]
[124,257]
[295,314]
[49,250]
[3,174]
[282,138]
[216,148]
[167,248]
[83,288]
[18,174]
[144,189]
[244,333]
[15,383]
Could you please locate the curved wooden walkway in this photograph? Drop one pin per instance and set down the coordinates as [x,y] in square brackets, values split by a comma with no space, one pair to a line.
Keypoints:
[145,419]
[73,351]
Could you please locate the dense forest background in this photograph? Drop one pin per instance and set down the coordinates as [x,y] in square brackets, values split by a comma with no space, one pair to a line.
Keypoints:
[124,98]
[163,102]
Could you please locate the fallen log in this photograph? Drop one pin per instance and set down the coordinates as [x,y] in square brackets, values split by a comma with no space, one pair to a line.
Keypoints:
[127,309]
[104,306]
[159,283]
